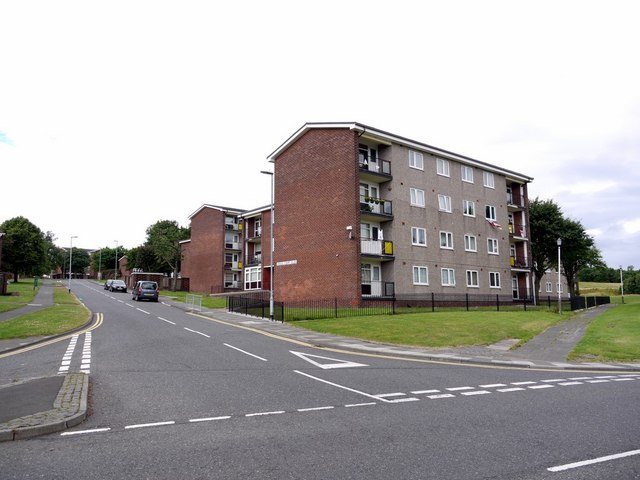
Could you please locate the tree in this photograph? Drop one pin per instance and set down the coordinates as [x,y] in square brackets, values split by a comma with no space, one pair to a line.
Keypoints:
[24,248]
[163,239]
[105,259]
[578,251]
[144,258]
[545,218]
[79,260]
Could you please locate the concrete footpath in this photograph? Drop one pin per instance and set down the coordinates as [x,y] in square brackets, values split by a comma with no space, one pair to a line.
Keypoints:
[51,404]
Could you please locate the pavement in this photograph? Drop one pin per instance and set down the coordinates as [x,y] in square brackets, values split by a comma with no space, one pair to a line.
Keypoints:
[50,404]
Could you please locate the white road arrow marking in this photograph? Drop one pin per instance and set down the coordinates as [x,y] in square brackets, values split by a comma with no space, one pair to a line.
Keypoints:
[334,362]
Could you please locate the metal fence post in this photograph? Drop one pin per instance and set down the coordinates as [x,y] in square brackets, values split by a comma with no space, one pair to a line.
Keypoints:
[497,303]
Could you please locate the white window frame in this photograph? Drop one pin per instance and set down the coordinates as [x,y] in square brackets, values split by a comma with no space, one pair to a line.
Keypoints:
[253,275]
[488,180]
[468,240]
[444,203]
[473,279]
[419,279]
[417,197]
[549,287]
[467,174]
[419,236]
[492,246]
[448,240]
[416,160]
[442,167]
[468,208]
[494,280]
[490,212]
[448,277]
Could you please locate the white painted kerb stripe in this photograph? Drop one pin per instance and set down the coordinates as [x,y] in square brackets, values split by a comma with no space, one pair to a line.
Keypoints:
[584,463]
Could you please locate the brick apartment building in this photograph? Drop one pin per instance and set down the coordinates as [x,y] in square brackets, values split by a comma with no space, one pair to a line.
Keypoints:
[362,212]
[224,251]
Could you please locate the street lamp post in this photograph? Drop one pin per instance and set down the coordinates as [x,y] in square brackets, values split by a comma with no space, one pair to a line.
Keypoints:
[621,284]
[273,269]
[100,266]
[559,241]
[115,272]
[70,258]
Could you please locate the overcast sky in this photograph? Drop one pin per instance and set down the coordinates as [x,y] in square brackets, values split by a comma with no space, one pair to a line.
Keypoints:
[117,114]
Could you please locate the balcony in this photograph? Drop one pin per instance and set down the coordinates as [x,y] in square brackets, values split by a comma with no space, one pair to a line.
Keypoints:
[382,249]
[519,262]
[515,202]
[233,265]
[376,208]
[377,289]
[232,246]
[254,260]
[517,231]
[233,226]
[377,172]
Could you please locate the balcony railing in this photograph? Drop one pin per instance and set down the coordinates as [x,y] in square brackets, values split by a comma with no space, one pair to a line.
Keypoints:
[379,248]
[255,260]
[375,205]
[232,245]
[233,265]
[377,289]
[519,262]
[380,166]
[517,230]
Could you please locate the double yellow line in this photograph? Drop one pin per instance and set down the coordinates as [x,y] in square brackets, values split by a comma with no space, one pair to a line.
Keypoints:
[28,348]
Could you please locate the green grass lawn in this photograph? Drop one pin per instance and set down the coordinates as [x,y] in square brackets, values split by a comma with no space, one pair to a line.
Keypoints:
[67,313]
[614,335]
[438,329]
[22,293]
[207,301]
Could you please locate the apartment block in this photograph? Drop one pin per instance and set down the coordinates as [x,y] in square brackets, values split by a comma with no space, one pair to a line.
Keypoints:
[362,212]
[224,253]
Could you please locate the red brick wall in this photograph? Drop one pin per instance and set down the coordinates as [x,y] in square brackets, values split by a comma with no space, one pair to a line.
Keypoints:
[316,198]
[203,261]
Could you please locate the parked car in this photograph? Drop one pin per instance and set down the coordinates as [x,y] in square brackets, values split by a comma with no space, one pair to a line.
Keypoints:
[117,285]
[146,289]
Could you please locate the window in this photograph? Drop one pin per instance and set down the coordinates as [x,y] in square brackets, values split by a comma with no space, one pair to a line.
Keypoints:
[446,240]
[549,287]
[472,278]
[494,279]
[443,167]
[365,231]
[468,208]
[448,277]
[417,197]
[253,278]
[420,276]
[467,174]
[488,180]
[444,203]
[492,246]
[490,212]
[470,243]
[419,236]
[416,160]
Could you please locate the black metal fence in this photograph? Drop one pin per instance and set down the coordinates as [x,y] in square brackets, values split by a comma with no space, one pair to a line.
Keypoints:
[257,304]
[580,303]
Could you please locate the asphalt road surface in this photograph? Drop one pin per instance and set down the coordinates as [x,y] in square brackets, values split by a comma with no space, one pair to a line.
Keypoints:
[175,395]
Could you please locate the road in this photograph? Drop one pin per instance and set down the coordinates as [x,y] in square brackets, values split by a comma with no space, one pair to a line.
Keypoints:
[175,395]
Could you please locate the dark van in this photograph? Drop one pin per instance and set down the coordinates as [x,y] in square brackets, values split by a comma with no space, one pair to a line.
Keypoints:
[146,289]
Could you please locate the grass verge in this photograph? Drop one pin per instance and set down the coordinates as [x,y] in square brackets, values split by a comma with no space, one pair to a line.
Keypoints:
[612,336]
[207,301]
[67,313]
[21,294]
[439,329]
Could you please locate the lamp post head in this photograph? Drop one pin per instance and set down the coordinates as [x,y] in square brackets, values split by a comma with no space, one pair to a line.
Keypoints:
[559,241]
